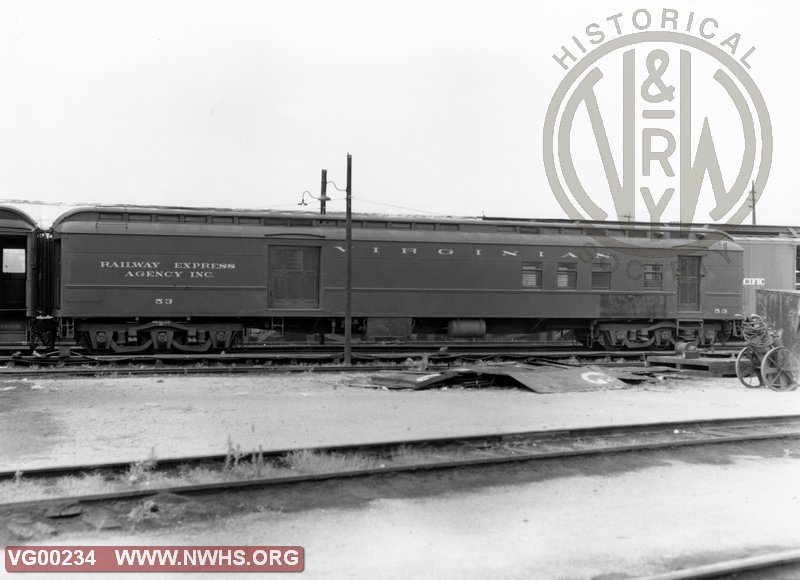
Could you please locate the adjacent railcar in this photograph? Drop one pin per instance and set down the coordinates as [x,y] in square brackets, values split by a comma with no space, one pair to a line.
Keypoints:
[22,322]
[137,279]
[769,264]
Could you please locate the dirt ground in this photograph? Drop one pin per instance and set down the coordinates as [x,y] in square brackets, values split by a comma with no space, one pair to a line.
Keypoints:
[78,421]
[614,520]
[618,517]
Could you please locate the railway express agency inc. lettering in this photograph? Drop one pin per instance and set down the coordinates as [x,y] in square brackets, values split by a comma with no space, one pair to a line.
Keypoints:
[167,270]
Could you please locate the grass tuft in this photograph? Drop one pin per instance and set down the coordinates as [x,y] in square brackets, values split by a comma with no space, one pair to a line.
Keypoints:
[141,471]
[310,461]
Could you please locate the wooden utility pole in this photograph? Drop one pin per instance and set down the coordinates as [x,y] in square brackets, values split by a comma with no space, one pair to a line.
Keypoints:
[348,290]
[323,188]
[753,201]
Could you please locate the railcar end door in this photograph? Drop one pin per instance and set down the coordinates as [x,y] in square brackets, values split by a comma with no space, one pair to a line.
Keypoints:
[688,278]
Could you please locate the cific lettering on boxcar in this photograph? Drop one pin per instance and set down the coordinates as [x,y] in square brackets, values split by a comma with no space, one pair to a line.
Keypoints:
[754,282]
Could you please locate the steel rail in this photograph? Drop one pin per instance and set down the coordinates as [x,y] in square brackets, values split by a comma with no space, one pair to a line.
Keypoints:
[384,446]
[732,567]
[531,436]
[243,364]
[384,352]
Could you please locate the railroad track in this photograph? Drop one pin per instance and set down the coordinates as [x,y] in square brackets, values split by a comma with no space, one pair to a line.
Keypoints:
[788,561]
[301,361]
[256,469]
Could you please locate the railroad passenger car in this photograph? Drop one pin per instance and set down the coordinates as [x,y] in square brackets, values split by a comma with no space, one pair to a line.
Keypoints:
[140,279]
[22,320]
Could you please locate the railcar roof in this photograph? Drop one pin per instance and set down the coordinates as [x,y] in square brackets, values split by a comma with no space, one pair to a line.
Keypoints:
[163,216]
[14,220]
[735,230]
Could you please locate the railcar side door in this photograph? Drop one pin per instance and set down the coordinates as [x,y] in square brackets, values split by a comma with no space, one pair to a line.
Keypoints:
[293,277]
[688,278]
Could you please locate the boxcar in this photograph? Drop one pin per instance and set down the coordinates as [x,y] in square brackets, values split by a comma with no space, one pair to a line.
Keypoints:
[769,263]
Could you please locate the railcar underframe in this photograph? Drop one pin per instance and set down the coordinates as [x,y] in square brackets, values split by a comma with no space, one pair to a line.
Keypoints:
[196,336]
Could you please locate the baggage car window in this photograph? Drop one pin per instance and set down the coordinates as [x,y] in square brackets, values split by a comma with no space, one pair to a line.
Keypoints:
[567,276]
[13,261]
[652,276]
[532,275]
[601,276]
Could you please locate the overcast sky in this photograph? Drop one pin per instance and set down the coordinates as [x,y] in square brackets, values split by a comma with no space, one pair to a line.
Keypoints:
[242,103]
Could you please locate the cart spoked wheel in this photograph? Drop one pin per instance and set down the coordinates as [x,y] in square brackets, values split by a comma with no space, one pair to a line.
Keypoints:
[780,369]
[748,368]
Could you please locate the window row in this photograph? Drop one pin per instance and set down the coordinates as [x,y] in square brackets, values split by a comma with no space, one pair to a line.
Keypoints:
[567,275]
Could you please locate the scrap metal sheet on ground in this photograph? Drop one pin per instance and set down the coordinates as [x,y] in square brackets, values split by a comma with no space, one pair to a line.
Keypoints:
[556,380]
[540,379]
[416,379]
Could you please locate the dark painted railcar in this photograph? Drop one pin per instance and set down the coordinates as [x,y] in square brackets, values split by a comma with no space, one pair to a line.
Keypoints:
[22,322]
[137,279]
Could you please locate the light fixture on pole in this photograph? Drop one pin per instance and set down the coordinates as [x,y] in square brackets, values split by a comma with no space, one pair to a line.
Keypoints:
[322,199]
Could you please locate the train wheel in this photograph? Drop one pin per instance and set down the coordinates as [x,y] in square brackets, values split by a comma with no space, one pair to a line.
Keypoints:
[664,339]
[583,338]
[84,341]
[725,333]
[604,340]
[201,347]
[780,369]
[748,368]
